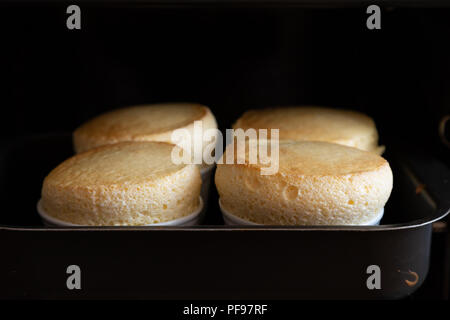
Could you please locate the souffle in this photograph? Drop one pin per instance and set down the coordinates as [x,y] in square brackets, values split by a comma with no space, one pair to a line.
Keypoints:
[305,123]
[123,184]
[144,123]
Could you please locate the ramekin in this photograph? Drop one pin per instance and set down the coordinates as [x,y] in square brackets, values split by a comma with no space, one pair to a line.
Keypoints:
[231,219]
[192,219]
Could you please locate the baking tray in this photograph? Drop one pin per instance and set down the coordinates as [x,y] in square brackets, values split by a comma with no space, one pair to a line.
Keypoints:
[214,261]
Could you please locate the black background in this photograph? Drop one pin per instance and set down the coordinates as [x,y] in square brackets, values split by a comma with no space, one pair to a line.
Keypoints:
[228,57]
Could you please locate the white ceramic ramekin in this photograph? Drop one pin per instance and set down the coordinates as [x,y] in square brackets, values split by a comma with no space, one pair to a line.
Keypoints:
[231,219]
[193,219]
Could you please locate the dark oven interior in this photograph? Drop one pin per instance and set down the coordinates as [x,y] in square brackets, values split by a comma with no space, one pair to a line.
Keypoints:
[230,58]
